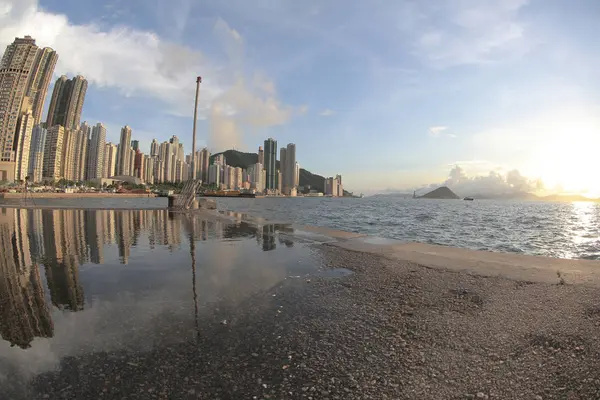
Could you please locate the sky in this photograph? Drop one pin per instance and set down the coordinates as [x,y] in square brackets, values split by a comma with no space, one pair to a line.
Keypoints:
[393,95]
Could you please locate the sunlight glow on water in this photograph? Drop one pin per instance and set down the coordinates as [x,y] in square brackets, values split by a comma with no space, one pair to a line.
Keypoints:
[563,230]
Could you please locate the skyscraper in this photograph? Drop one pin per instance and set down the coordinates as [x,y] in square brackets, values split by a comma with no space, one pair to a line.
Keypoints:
[36,153]
[67,102]
[53,152]
[290,166]
[40,80]
[24,132]
[138,165]
[169,159]
[25,71]
[135,145]
[110,160]
[82,140]
[334,187]
[261,155]
[154,148]
[131,168]
[214,175]
[67,163]
[123,154]
[271,163]
[282,165]
[149,170]
[95,157]
[203,161]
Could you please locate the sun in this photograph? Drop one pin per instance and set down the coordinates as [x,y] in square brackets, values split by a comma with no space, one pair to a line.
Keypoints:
[567,153]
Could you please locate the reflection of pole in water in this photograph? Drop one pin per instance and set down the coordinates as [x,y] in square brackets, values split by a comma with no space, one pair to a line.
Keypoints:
[193,256]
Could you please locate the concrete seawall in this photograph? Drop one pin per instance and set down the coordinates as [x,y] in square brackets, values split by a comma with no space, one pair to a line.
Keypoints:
[73,195]
[526,268]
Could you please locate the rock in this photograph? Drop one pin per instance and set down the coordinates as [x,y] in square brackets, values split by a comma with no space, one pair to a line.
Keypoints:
[480,395]
[207,204]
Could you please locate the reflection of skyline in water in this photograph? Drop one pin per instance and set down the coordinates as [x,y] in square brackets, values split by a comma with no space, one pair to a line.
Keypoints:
[57,242]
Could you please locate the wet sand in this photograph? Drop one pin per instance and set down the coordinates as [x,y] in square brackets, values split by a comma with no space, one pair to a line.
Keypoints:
[394,329]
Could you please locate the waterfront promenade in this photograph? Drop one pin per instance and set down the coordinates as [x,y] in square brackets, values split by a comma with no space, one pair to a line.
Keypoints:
[43,195]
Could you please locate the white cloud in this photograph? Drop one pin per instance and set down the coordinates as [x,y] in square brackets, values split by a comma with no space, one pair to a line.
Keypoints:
[494,183]
[326,112]
[439,131]
[455,32]
[436,131]
[140,63]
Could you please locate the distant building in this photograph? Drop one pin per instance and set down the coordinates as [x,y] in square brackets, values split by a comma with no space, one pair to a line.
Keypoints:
[25,73]
[131,162]
[135,145]
[67,100]
[123,152]
[138,164]
[154,146]
[23,143]
[282,167]
[261,155]
[271,163]
[214,174]
[109,168]
[279,182]
[334,187]
[237,178]
[53,153]
[340,187]
[203,162]
[149,170]
[220,160]
[36,153]
[95,157]
[81,148]
[255,176]
[290,178]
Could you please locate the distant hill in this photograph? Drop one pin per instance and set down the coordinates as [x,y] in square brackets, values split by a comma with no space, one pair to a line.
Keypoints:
[244,160]
[440,193]
[505,196]
[566,197]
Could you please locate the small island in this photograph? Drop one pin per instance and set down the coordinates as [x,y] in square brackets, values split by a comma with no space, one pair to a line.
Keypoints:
[443,193]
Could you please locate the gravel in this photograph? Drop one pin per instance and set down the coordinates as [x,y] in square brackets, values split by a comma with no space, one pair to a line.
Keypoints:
[390,330]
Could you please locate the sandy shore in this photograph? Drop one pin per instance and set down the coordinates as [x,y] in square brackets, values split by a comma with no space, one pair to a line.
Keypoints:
[392,330]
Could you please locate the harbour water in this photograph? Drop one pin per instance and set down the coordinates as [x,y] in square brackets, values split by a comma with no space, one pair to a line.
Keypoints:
[562,230]
[81,282]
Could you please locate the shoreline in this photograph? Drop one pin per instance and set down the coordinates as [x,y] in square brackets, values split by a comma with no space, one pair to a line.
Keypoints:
[517,267]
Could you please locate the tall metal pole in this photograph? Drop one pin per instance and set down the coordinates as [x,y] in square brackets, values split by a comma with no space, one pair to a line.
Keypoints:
[198,81]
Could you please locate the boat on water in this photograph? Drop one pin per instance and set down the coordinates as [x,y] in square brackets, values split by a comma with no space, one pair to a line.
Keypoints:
[468,199]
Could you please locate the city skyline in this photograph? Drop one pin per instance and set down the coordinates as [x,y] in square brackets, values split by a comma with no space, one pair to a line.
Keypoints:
[492,87]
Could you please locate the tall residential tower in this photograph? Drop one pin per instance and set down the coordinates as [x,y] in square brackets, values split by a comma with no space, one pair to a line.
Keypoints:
[25,71]
[123,153]
[271,163]
[95,156]
[67,102]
